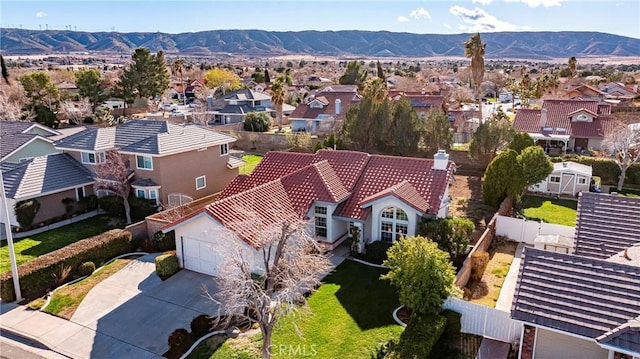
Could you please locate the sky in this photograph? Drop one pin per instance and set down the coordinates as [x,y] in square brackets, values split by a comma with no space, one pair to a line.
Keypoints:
[620,17]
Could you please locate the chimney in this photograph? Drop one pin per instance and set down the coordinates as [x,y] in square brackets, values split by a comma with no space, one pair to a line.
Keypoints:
[338,106]
[543,118]
[440,160]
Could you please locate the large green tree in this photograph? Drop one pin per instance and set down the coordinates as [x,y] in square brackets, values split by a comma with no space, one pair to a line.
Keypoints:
[490,137]
[474,48]
[146,77]
[453,235]
[354,74]
[89,84]
[534,165]
[404,128]
[422,273]
[520,141]
[278,93]
[436,132]
[40,90]
[358,127]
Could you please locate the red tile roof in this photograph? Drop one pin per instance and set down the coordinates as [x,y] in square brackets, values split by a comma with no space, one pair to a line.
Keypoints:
[347,164]
[419,100]
[347,99]
[403,191]
[460,118]
[558,117]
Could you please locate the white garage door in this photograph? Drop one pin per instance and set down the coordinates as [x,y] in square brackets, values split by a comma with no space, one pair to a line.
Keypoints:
[201,256]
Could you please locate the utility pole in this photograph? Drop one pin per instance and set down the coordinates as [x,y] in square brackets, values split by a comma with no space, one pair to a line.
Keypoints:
[12,253]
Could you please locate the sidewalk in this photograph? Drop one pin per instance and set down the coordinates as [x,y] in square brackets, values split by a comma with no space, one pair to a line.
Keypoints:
[64,337]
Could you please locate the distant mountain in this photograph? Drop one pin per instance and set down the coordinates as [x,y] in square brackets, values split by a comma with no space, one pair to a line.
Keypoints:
[522,45]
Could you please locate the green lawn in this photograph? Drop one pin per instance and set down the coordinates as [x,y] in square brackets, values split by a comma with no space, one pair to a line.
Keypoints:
[349,316]
[252,162]
[31,247]
[550,210]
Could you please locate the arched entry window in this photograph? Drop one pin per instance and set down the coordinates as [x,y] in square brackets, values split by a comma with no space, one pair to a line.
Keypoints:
[394,223]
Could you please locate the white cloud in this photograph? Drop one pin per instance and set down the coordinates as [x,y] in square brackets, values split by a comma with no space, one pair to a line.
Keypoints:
[482,2]
[402,19]
[536,3]
[41,14]
[478,20]
[420,13]
[447,26]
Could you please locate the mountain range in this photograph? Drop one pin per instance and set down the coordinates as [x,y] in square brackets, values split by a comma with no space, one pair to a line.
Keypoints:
[516,45]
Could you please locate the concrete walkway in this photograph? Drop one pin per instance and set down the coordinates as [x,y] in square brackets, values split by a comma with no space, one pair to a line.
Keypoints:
[128,315]
[509,286]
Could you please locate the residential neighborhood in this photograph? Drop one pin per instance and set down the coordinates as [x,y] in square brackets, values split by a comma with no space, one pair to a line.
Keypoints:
[170,202]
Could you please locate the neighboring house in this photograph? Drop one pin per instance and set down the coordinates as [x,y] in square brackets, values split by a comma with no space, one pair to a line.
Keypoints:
[566,125]
[317,81]
[421,102]
[49,179]
[68,87]
[464,124]
[584,92]
[234,107]
[25,140]
[618,90]
[567,178]
[384,197]
[323,112]
[171,163]
[586,304]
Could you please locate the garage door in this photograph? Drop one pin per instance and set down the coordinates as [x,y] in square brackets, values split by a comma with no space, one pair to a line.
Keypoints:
[201,256]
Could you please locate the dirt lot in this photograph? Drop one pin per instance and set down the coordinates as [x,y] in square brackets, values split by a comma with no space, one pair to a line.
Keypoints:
[486,291]
[466,201]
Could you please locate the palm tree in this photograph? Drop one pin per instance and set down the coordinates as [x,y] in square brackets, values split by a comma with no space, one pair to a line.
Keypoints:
[377,87]
[474,49]
[572,65]
[277,97]
[176,68]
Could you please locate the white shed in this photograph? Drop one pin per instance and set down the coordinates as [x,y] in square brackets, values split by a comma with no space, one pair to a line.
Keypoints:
[568,178]
[553,243]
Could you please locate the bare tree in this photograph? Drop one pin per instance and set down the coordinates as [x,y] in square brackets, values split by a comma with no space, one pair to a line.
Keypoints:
[293,266]
[75,111]
[13,102]
[114,174]
[623,145]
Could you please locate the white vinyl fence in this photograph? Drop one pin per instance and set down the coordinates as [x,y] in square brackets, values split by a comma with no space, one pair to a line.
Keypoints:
[482,320]
[522,230]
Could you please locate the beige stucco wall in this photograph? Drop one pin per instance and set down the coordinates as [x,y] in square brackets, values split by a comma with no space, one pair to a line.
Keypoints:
[33,149]
[52,206]
[177,173]
[552,345]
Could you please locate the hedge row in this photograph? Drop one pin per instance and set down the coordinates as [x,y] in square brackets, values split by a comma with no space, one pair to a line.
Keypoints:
[38,275]
[167,265]
[605,168]
[421,335]
[140,207]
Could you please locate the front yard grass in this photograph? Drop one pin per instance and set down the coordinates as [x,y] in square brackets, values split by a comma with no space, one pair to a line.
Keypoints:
[252,162]
[550,210]
[31,247]
[487,291]
[66,300]
[349,316]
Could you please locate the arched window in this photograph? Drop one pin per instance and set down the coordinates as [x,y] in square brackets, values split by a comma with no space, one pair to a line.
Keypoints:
[394,223]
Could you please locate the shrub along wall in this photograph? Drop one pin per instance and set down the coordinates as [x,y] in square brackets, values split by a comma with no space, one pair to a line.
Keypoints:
[605,168]
[37,276]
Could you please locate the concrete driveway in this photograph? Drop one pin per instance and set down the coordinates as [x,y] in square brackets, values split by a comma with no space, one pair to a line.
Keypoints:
[134,306]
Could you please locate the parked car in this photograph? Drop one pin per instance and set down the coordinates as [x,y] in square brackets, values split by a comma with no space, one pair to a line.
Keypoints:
[169,107]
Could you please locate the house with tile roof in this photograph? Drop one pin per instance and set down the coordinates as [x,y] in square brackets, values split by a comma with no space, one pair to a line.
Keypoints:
[464,124]
[585,304]
[22,140]
[234,106]
[171,163]
[420,100]
[562,126]
[323,112]
[384,197]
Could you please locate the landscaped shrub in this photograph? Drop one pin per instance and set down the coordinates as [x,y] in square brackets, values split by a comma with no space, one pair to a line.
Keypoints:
[36,276]
[257,122]
[167,265]
[420,336]
[446,347]
[89,202]
[69,204]
[86,268]
[26,211]
[179,342]
[376,252]
[88,120]
[479,261]
[140,207]
[163,242]
[200,326]
[454,326]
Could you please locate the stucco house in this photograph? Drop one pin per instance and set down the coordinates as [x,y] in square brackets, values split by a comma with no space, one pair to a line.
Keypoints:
[323,112]
[567,178]
[384,197]
[585,304]
[420,100]
[22,140]
[171,164]
[562,126]
[234,107]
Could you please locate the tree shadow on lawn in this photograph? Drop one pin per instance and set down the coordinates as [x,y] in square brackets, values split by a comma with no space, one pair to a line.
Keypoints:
[369,300]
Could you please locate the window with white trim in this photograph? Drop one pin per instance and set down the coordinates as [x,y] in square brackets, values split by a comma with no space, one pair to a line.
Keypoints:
[224,149]
[394,223]
[582,180]
[321,221]
[201,182]
[79,193]
[140,193]
[92,158]
[554,179]
[153,194]
[144,162]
